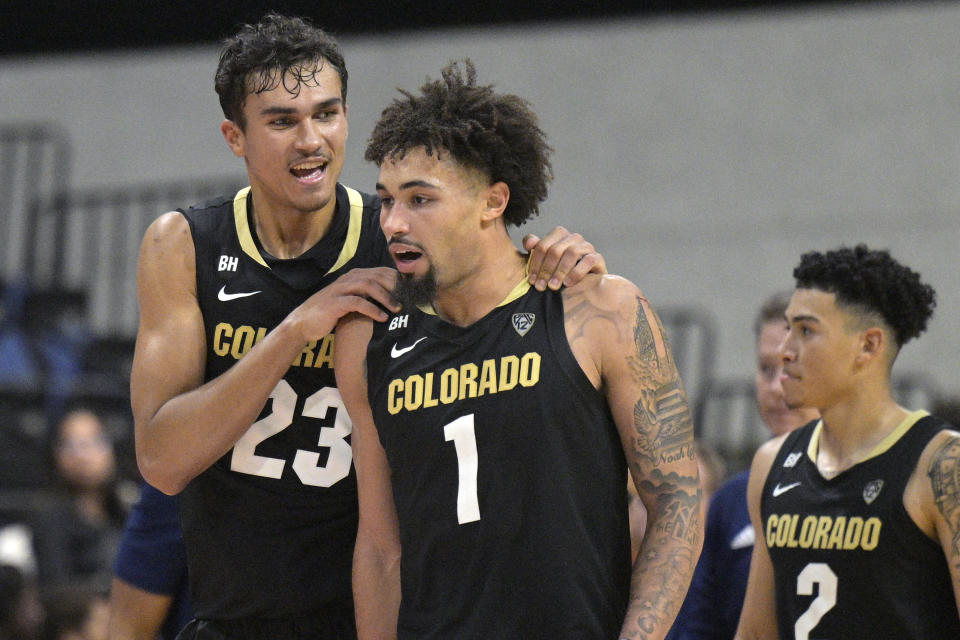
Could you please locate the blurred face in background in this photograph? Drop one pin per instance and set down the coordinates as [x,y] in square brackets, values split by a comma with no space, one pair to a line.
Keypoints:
[84,453]
[770,402]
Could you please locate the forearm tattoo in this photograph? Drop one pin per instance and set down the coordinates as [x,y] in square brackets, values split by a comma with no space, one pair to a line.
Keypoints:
[944,475]
[663,430]
[661,415]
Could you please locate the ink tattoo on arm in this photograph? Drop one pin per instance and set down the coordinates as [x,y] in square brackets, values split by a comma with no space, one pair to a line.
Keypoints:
[663,434]
[944,473]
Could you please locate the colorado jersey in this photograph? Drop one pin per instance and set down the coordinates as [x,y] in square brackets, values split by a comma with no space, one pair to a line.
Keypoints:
[508,476]
[270,527]
[849,563]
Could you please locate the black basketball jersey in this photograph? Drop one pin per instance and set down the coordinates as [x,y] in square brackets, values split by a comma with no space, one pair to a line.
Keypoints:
[508,475]
[849,563]
[270,527]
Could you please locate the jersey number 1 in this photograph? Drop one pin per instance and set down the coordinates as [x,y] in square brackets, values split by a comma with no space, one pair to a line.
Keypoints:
[465,442]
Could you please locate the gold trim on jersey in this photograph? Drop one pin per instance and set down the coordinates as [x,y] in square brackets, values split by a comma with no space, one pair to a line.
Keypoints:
[349,249]
[243,227]
[353,230]
[521,288]
[814,446]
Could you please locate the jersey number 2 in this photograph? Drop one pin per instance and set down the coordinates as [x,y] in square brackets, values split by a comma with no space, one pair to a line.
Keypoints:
[820,574]
[305,465]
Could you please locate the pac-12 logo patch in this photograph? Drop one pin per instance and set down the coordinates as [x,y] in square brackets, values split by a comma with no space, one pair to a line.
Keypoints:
[522,322]
[792,459]
[872,490]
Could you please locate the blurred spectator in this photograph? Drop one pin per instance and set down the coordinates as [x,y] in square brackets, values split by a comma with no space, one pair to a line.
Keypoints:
[711,609]
[76,538]
[21,613]
[74,612]
[149,594]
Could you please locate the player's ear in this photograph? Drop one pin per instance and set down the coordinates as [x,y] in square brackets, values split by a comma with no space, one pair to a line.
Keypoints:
[873,342]
[497,197]
[233,134]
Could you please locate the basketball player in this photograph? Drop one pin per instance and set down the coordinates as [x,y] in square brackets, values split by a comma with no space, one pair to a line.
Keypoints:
[233,391]
[856,515]
[493,423]
[712,606]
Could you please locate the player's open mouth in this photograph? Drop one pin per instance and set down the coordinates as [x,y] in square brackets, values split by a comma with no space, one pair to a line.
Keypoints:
[309,171]
[405,257]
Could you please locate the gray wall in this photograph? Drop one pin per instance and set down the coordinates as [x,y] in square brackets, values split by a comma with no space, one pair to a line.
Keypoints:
[702,155]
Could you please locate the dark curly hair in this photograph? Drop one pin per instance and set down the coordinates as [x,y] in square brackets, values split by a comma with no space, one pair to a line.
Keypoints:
[497,134]
[873,282]
[260,56]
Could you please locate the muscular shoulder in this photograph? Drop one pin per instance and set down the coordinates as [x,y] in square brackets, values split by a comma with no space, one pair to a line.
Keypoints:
[937,481]
[607,316]
[169,231]
[600,300]
[167,258]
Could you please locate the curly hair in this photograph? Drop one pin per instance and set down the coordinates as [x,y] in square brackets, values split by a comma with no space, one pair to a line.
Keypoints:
[261,56]
[497,134]
[873,282]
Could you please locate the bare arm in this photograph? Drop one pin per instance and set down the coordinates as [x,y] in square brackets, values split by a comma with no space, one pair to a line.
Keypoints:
[183,425]
[376,556]
[561,258]
[758,618]
[941,498]
[620,343]
[136,614]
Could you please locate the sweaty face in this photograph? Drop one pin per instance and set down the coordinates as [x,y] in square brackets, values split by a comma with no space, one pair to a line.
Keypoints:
[430,213]
[774,411]
[293,142]
[819,351]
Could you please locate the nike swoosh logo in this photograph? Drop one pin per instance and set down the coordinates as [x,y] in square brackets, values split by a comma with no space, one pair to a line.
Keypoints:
[396,353]
[778,490]
[745,538]
[223,296]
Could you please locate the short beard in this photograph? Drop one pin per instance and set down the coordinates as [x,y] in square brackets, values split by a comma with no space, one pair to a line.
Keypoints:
[413,291]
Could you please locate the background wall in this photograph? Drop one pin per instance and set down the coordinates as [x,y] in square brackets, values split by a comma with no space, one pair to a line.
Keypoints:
[701,154]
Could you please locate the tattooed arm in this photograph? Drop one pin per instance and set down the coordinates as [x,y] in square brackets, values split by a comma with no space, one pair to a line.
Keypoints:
[939,494]
[622,347]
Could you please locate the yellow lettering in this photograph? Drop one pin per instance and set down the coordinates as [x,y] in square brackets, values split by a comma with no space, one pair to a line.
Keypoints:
[836,534]
[305,358]
[851,539]
[509,372]
[325,352]
[395,396]
[243,339]
[488,378]
[428,399]
[771,531]
[871,534]
[221,332]
[414,393]
[783,530]
[806,531]
[468,380]
[530,369]
[792,541]
[448,386]
[822,533]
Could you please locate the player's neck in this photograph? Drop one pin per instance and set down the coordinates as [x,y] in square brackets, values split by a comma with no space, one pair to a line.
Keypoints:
[482,289]
[287,232]
[852,429]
